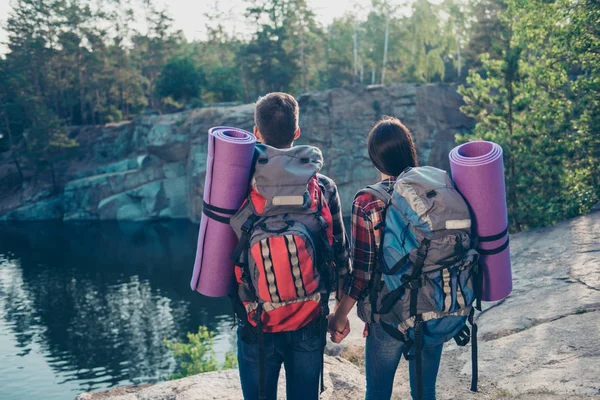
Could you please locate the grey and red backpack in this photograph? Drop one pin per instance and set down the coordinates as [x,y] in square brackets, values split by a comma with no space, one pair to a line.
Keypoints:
[284,258]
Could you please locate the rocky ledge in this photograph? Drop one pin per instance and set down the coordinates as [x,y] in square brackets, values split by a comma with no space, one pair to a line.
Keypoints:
[542,342]
[154,167]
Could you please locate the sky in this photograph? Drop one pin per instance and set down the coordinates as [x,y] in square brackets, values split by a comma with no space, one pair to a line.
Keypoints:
[188,13]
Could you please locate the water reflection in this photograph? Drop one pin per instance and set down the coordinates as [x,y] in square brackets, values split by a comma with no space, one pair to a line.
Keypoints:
[95,302]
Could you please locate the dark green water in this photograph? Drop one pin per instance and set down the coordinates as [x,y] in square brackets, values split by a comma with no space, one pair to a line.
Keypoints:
[84,307]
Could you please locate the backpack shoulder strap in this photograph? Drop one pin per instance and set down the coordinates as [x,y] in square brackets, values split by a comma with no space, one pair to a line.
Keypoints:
[379,191]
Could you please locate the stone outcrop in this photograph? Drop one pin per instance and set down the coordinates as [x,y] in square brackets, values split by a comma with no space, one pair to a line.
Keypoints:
[154,167]
[541,343]
[343,381]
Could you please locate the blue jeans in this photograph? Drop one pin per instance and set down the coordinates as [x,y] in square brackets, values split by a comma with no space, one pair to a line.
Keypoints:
[383,354]
[300,352]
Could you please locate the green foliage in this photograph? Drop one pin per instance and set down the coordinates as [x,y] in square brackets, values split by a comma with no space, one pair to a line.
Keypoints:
[197,355]
[224,84]
[539,100]
[180,79]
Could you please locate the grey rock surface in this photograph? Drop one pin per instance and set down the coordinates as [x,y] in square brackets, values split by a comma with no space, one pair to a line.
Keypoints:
[541,343]
[117,167]
[343,381]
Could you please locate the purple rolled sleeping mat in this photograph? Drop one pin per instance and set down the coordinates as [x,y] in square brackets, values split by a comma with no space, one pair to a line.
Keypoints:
[478,172]
[228,167]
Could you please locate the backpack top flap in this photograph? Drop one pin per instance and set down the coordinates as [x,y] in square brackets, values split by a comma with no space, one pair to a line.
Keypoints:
[281,176]
[434,203]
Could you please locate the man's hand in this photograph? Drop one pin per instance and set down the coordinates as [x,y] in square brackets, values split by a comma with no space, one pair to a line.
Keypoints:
[338,327]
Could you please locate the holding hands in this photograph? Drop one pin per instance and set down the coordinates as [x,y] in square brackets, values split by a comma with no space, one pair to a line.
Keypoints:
[338,327]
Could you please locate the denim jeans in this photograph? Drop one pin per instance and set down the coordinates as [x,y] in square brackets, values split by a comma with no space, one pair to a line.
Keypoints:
[300,352]
[383,355]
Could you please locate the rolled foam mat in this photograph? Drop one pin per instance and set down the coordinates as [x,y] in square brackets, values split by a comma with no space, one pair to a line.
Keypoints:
[478,172]
[228,166]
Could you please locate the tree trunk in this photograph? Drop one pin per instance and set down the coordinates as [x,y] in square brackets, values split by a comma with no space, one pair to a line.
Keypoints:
[385,46]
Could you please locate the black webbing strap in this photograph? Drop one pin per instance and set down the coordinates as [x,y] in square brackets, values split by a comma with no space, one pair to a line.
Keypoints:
[416,275]
[210,211]
[478,284]
[497,250]
[421,256]
[474,364]
[261,355]
[389,300]
[493,238]
[323,332]
[376,285]
[220,210]
[216,217]
[398,265]
[393,332]
[419,355]
[244,241]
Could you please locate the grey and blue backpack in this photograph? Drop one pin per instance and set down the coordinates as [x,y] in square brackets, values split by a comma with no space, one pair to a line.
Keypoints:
[429,280]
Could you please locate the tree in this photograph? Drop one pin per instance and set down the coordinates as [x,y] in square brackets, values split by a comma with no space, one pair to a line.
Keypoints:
[265,59]
[426,57]
[180,80]
[486,31]
[339,52]
[535,101]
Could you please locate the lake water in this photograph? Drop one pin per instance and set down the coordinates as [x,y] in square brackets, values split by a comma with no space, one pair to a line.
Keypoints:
[86,306]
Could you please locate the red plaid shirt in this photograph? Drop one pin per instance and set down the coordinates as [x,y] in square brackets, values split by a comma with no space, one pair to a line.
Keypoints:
[366,214]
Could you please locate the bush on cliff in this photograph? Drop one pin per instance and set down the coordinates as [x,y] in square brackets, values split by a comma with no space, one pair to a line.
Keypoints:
[197,355]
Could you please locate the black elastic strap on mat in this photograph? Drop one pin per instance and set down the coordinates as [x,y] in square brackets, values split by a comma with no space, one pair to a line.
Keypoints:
[220,210]
[493,238]
[218,218]
[491,252]
[419,356]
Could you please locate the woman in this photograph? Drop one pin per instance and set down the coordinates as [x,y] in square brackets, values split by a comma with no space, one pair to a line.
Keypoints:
[392,151]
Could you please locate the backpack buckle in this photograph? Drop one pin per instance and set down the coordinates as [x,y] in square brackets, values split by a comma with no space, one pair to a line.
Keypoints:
[463,337]
[413,284]
[322,222]
[247,227]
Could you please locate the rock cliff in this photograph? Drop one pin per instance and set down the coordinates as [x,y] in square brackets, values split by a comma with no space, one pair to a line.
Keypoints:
[154,167]
[541,343]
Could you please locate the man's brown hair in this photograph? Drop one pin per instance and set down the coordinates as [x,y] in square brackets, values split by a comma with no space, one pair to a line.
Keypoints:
[276,116]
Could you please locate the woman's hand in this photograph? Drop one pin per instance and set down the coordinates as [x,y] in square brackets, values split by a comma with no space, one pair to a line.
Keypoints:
[338,327]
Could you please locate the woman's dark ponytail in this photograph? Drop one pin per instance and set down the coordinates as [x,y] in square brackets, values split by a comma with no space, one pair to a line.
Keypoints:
[391,147]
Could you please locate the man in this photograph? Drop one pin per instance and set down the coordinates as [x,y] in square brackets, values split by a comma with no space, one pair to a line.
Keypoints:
[282,324]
